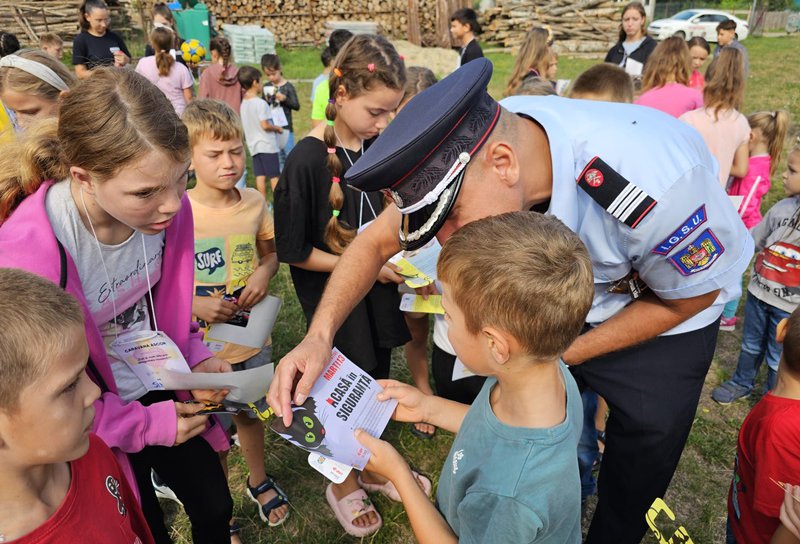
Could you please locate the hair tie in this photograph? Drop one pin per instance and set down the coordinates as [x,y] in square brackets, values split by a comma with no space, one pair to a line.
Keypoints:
[337,72]
[329,122]
[371,67]
[402,58]
[335,213]
[37,69]
[336,179]
[331,101]
[331,151]
[775,114]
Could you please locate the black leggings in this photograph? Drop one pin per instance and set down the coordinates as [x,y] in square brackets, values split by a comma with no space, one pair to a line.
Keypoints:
[192,470]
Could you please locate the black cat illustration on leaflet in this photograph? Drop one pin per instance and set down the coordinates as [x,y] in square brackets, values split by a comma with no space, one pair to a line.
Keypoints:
[341,401]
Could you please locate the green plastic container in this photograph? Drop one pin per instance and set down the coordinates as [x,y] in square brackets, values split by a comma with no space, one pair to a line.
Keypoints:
[194,23]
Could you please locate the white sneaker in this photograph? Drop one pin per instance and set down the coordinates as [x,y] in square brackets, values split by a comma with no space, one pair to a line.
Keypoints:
[162,490]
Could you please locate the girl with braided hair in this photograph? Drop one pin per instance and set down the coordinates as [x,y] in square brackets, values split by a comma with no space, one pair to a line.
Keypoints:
[317,215]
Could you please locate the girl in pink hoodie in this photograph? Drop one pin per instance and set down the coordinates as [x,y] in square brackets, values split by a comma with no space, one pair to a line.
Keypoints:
[767,135]
[221,79]
[94,201]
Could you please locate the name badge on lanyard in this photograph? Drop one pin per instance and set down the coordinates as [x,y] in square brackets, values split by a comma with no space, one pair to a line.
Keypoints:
[147,353]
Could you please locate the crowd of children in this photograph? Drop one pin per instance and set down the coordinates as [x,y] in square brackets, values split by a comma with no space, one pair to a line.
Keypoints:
[94,249]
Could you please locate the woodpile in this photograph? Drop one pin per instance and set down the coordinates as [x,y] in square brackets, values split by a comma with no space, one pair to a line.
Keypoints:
[29,19]
[586,26]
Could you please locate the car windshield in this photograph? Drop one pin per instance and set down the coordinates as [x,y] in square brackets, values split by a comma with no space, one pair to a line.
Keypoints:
[684,15]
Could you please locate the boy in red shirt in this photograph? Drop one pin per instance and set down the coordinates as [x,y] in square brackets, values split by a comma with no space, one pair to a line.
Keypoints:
[58,482]
[768,451]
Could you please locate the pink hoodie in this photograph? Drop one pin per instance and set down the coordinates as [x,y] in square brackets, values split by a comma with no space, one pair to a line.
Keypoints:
[27,242]
[222,83]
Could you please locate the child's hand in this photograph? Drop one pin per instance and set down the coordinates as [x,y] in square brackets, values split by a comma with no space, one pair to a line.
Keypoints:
[388,274]
[256,289]
[278,129]
[411,402]
[213,309]
[790,509]
[384,459]
[280,97]
[189,425]
[211,365]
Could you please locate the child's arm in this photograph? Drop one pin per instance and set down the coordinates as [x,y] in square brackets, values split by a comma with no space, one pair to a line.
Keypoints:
[414,406]
[266,126]
[258,283]
[741,161]
[790,513]
[428,524]
[289,100]
[783,536]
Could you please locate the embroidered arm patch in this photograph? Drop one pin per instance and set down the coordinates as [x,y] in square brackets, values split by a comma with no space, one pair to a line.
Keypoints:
[699,255]
[679,235]
[618,196]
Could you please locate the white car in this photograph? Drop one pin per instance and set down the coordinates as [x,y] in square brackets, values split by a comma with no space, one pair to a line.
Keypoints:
[695,22]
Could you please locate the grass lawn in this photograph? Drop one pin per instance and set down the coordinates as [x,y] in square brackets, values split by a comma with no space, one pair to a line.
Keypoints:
[698,493]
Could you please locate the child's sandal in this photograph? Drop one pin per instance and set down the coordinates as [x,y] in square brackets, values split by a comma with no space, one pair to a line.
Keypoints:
[277,501]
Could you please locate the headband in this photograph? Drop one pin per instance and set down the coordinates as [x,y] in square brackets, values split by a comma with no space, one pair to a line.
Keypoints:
[37,69]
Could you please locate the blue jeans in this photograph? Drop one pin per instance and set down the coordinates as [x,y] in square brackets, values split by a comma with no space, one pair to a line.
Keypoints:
[288,137]
[758,343]
[587,447]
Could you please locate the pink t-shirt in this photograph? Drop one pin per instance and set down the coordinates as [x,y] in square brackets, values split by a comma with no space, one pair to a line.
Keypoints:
[673,98]
[172,84]
[757,180]
[697,81]
[723,134]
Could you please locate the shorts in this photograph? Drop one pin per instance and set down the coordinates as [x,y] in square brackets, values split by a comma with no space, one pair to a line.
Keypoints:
[262,358]
[266,164]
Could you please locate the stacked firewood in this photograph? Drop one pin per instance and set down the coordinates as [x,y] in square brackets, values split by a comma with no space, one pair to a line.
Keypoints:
[32,18]
[586,26]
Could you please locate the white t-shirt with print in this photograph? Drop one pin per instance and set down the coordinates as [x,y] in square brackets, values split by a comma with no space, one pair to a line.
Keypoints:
[125,265]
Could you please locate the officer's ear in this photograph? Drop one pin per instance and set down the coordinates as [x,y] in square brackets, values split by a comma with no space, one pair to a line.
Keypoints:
[502,161]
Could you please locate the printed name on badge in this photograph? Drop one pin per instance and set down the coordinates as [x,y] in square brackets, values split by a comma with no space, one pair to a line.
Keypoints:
[698,255]
[680,234]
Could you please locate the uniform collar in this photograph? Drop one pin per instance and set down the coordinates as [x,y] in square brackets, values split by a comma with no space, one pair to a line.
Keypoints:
[564,197]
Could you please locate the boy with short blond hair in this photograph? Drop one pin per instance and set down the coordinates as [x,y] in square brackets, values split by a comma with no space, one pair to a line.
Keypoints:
[52,44]
[516,290]
[235,260]
[768,451]
[60,483]
[604,82]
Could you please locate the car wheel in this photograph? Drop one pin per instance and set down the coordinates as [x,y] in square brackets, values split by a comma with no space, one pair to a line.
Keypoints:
[680,34]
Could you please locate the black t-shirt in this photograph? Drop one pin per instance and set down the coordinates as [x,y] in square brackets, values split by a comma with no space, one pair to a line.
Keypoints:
[93,51]
[471,51]
[302,210]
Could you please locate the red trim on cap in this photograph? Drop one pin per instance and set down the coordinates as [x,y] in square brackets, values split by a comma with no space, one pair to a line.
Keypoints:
[431,152]
[488,131]
[477,145]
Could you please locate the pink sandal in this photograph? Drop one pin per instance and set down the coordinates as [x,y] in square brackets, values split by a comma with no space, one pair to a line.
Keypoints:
[351,507]
[390,491]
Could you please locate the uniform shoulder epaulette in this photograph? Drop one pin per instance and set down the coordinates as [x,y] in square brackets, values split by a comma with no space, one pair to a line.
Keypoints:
[618,196]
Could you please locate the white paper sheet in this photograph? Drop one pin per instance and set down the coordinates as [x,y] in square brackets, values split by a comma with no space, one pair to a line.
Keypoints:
[259,326]
[245,386]
[460,371]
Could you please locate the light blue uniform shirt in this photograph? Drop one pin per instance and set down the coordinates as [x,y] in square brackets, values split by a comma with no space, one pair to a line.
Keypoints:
[691,242]
[513,484]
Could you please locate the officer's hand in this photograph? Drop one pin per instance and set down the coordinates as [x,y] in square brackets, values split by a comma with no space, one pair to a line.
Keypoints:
[308,358]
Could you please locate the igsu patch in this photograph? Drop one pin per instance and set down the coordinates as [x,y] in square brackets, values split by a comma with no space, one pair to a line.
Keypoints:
[699,255]
[689,226]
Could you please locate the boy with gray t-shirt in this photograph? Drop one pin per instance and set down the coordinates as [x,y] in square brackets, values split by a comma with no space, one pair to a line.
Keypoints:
[512,472]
